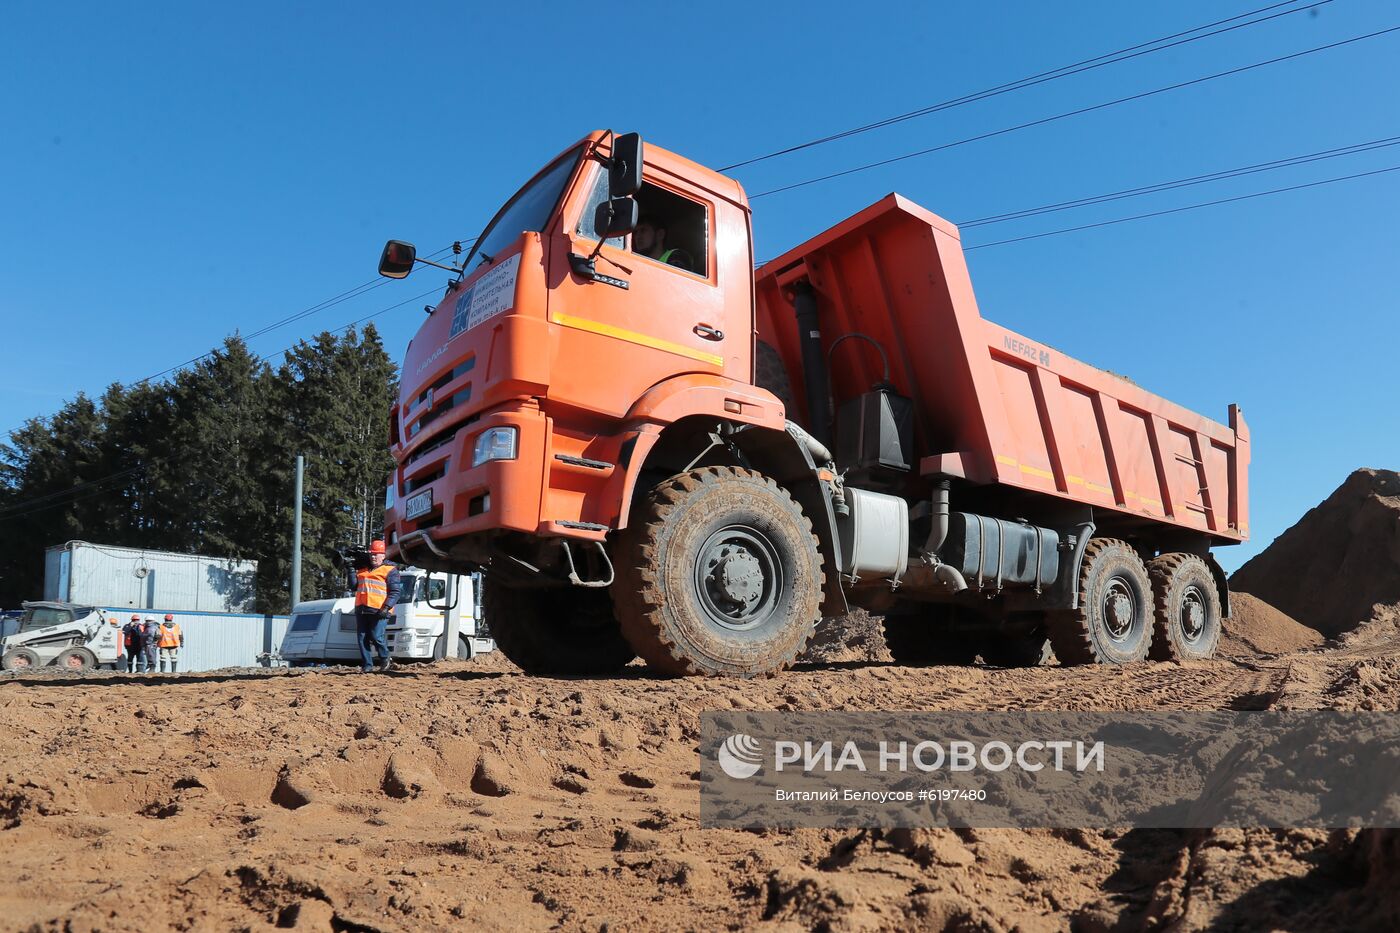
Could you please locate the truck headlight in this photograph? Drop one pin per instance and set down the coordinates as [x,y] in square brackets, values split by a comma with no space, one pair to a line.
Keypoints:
[494,444]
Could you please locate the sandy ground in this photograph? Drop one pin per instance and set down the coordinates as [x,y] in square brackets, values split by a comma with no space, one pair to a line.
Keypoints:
[468,794]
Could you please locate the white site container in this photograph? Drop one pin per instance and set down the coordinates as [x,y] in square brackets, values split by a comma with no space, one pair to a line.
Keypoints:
[130,578]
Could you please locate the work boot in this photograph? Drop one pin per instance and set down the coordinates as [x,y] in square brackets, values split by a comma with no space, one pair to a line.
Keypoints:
[386,664]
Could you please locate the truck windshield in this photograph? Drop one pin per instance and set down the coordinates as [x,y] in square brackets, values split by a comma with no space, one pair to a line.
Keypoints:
[529,210]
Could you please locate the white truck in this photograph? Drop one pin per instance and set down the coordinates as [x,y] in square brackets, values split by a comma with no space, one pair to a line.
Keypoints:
[322,631]
[75,638]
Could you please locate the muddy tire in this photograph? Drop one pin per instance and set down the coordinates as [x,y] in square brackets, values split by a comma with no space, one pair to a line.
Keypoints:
[925,638]
[1186,608]
[557,631]
[718,573]
[1113,624]
[19,660]
[76,659]
[464,648]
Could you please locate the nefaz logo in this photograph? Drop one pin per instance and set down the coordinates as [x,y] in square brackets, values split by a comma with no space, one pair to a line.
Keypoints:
[1028,350]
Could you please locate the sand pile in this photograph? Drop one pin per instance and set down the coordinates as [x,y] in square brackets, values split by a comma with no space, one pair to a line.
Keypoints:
[1340,564]
[853,637]
[1256,628]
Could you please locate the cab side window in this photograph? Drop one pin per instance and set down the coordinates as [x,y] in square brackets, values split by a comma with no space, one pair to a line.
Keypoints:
[673,229]
[597,195]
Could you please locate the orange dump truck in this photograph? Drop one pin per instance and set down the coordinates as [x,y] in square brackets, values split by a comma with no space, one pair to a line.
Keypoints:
[653,450]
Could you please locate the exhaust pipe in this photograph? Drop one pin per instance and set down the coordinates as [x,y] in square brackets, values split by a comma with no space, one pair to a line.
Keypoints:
[946,574]
[814,374]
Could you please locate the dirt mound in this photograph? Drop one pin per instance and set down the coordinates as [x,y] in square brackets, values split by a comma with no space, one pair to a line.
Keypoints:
[1339,562]
[467,793]
[1383,628]
[1256,628]
[856,636]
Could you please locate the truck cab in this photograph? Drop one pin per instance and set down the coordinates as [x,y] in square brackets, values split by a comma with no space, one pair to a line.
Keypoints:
[554,330]
[323,631]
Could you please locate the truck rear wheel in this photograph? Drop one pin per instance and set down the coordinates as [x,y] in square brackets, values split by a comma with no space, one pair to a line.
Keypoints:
[76,659]
[718,573]
[1113,624]
[19,659]
[554,630]
[1186,608]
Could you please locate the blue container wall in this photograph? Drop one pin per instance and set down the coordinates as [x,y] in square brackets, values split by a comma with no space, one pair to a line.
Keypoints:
[214,640]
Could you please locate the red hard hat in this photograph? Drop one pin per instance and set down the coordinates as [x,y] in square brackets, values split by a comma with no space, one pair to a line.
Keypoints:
[169,617]
[135,617]
[376,547]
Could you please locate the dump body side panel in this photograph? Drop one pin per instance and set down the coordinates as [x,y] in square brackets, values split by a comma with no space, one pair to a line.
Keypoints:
[991,405]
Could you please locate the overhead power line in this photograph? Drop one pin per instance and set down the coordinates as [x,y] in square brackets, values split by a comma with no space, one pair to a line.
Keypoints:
[346,327]
[1079,112]
[343,297]
[1064,71]
[73,494]
[1191,181]
[1189,207]
[58,494]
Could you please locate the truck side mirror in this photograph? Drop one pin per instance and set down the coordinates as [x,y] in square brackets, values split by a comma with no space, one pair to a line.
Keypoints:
[625,170]
[614,218]
[396,261]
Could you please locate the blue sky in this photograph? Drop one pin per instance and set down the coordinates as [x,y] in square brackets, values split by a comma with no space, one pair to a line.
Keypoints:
[176,172]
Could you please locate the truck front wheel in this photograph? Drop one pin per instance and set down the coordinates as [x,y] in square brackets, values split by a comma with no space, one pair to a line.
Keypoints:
[718,573]
[1187,608]
[554,630]
[1113,624]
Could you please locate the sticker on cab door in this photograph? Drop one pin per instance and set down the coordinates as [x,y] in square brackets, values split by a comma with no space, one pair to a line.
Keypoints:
[493,293]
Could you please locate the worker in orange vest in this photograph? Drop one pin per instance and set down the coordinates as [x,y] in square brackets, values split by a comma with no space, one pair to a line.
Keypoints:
[377,589]
[171,641]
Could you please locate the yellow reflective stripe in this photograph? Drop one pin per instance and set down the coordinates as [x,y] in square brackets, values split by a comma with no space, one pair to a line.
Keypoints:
[631,336]
[1069,478]
[1024,468]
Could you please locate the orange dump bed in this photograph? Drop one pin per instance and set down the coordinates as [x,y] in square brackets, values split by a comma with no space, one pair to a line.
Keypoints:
[991,405]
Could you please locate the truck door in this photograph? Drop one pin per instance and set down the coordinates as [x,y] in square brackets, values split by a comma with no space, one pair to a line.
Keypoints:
[613,343]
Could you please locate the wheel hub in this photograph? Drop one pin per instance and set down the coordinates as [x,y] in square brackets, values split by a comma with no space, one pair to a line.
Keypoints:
[739,577]
[1119,610]
[1193,615]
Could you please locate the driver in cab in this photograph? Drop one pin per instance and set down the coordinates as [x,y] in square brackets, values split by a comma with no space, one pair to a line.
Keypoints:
[649,239]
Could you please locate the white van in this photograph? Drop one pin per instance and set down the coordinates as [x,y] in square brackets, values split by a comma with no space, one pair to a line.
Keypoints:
[322,631]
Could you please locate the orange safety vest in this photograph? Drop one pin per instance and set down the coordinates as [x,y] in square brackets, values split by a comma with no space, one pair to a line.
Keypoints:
[373,587]
[170,637]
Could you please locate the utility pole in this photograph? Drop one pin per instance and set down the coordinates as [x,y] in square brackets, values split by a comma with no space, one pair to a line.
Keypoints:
[296,539]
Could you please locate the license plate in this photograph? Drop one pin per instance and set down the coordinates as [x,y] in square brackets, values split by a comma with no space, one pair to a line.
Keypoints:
[420,504]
